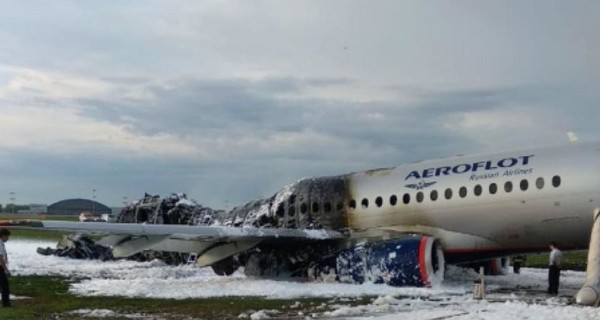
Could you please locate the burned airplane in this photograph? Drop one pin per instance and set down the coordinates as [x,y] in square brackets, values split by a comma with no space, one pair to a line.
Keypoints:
[398,226]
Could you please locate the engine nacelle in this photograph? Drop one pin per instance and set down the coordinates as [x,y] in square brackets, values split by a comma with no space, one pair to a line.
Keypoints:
[413,260]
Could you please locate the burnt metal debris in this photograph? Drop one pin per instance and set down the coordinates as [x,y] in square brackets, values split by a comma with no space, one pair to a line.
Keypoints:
[174,209]
[310,203]
[78,246]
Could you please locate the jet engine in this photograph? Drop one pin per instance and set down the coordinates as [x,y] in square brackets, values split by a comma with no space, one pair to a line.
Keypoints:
[413,260]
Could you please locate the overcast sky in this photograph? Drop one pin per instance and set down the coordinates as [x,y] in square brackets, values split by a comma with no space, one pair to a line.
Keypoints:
[228,101]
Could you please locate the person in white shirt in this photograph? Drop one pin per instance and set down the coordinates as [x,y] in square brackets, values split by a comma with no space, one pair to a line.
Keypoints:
[554,269]
[4,271]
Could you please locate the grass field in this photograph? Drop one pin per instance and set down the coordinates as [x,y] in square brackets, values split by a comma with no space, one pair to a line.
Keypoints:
[37,233]
[11,216]
[48,298]
[571,260]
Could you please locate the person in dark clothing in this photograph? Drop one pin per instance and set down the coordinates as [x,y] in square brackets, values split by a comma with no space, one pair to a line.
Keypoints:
[554,269]
[4,271]
[518,262]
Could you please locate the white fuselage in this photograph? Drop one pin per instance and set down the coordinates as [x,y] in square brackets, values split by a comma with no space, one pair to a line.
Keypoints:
[554,191]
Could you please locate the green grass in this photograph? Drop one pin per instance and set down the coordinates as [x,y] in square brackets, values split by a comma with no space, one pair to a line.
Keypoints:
[49,299]
[11,216]
[571,260]
[38,234]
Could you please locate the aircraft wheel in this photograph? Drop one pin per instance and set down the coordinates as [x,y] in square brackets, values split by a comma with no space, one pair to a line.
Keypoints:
[225,267]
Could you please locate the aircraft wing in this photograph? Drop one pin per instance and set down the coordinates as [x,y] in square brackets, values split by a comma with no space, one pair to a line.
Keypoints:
[201,233]
[211,243]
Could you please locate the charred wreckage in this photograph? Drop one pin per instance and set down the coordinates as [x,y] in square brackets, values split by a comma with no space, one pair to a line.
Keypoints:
[309,204]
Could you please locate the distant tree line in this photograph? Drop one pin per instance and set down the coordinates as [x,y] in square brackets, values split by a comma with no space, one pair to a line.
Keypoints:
[10,208]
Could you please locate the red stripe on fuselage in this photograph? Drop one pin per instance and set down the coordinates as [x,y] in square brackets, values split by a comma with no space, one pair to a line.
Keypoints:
[422,264]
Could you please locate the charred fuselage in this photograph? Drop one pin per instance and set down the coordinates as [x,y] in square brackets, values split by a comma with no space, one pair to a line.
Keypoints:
[311,203]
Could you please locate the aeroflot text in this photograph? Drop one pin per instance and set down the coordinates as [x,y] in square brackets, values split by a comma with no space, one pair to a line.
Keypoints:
[470,167]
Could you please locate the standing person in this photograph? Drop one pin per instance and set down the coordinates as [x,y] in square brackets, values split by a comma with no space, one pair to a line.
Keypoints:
[518,262]
[554,269]
[4,272]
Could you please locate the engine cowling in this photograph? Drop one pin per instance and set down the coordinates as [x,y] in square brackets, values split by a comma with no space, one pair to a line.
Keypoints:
[413,260]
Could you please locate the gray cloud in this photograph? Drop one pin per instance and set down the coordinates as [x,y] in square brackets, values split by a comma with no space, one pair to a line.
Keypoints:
[281,91]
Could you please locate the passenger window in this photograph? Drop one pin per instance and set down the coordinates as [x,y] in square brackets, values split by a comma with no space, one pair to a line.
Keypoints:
[327,207]
[556,181]
[433,195]
[448,193]
[315,207]
[280,212]
[539,183]
[477,190]
[393,200]
[340,206]
[420,196]
[493,188]
[462,192]
[291,210]
[406,198]
[524,184]
[508,186]
[352,204]
[303,208]
[365,203]
[379,201]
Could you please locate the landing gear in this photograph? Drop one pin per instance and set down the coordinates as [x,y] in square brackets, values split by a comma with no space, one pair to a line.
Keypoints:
[518,262]
[225,267]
